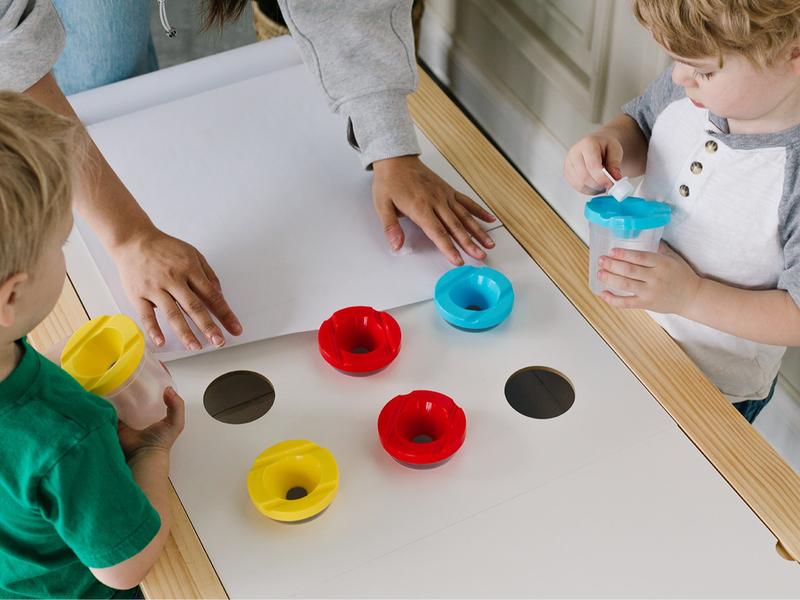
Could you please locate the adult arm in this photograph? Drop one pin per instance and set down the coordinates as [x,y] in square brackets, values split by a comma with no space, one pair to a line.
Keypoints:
[362,55]
[157,270]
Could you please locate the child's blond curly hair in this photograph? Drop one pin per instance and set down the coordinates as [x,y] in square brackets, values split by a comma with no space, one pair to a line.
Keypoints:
[39,157]
[759,30]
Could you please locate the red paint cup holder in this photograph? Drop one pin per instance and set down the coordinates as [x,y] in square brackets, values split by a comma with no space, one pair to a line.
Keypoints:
[359,340]
[422,428]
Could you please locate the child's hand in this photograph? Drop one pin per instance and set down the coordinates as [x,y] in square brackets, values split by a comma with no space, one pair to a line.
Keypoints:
[583,166]
[159,436]
[662,282]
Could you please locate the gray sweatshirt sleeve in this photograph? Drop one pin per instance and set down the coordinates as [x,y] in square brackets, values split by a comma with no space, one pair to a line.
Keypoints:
[658,95]
[789,225]
[362,54]
[31,39]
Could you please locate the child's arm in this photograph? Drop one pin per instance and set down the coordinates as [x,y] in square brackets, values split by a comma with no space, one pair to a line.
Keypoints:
[147,452]
[765,316]
[618,146]
[664,282]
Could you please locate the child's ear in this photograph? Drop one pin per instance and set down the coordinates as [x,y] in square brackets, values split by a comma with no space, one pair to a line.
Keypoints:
[9,295]
[794,59]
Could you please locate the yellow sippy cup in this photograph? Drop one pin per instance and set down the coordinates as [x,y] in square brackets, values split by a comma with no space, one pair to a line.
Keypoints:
[108,357]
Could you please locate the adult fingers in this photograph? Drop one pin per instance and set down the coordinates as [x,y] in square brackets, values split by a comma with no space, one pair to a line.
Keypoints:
[474,208]
[172,313]
[210,293]
[197,311]
[147,317]
[458,232]
[432,226]
[472,226]
[387,214]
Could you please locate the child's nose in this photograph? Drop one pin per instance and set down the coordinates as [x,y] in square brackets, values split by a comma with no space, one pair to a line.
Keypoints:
[683,75]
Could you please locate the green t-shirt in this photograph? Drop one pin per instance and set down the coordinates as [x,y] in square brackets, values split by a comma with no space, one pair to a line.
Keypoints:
[68,500]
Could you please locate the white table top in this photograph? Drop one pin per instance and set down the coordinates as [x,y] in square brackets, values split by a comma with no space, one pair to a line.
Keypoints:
[180,81]
[596,490]
[259,177]
[632,524]
[609,499]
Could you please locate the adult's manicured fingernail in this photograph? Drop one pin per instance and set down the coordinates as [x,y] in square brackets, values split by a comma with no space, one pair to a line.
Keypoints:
[217,339]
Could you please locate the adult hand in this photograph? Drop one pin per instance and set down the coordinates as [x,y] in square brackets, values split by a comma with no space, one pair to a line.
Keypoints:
[157,271]
[659,281]
[405,186]
[161,272]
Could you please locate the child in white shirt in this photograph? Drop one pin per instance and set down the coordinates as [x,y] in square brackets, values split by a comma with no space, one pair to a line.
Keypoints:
[717,136]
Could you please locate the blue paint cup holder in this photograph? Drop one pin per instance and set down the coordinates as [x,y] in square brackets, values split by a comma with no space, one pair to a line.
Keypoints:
[474,298]
[633,224]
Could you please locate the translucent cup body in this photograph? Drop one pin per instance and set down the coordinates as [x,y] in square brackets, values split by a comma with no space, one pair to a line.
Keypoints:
[603,239]
[140,400]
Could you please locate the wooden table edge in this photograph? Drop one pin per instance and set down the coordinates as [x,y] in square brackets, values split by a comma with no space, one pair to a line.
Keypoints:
[763,480]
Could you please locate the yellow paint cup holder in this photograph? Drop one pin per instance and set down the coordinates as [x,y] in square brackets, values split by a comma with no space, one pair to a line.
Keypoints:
[293,480]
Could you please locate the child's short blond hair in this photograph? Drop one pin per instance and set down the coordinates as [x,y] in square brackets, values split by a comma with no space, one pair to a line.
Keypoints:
[39,152]
[759,30]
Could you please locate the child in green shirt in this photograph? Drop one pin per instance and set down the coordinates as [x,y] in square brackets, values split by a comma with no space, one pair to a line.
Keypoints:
[83,505]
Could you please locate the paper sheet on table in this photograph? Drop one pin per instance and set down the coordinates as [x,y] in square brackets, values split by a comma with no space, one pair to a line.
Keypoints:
[259,177]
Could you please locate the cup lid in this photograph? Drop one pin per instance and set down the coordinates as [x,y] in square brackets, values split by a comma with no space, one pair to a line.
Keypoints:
[630,214]
[103,353]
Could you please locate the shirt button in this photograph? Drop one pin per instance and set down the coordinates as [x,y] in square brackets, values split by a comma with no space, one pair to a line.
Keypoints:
[684,190]
[711,146]
[696,167]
